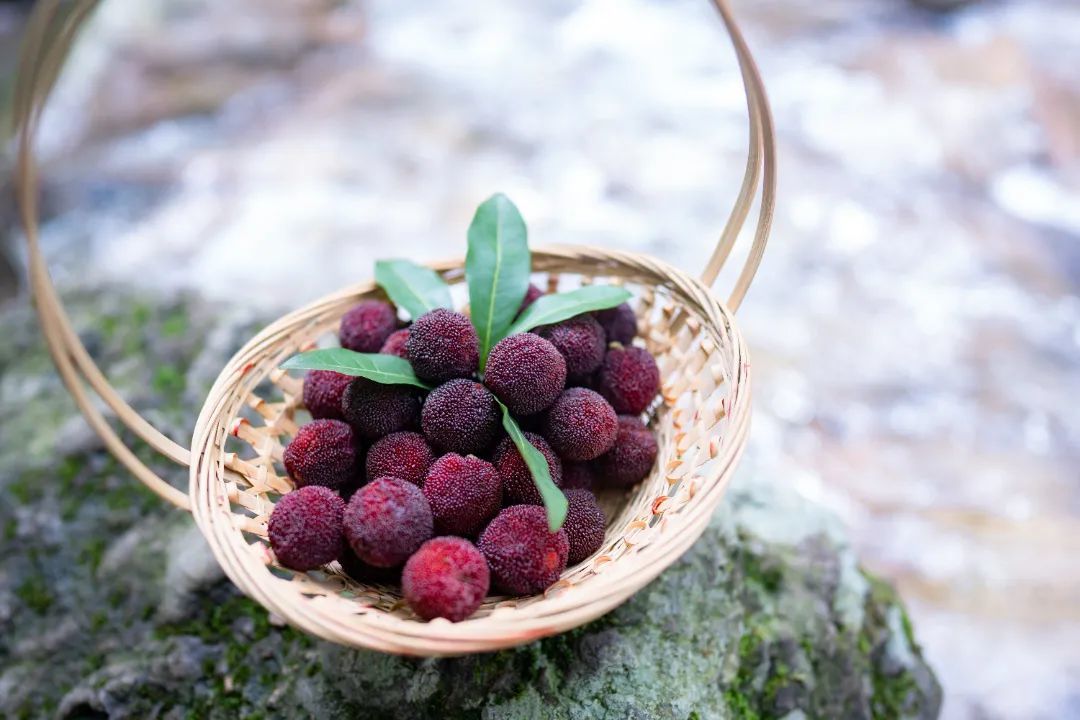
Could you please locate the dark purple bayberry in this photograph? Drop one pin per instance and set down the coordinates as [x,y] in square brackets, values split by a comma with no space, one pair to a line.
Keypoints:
[365,327]
[461,416]
[581,425]
[442,345]
[578,475]
[375,410]
[526,372]
[305,528]
[532,294]
[322,393]
[517,481]
[619,323]
[632,456]
[628,378]
[584,525]
[581,342]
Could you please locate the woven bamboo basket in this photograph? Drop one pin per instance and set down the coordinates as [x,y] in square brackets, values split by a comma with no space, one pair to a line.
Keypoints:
[250,415]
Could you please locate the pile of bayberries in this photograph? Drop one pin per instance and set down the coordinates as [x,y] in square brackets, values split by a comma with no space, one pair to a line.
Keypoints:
[460,452]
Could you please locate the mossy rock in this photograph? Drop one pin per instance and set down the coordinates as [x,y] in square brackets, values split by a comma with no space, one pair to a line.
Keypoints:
[111,605]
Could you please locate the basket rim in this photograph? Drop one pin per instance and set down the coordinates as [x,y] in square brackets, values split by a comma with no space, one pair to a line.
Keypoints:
[377,629]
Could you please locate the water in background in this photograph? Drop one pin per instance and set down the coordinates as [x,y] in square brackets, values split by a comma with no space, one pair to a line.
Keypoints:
[916,322]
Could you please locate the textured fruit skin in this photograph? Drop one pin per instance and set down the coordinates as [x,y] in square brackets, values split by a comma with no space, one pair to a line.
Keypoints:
[442,345]
[578,475]
[322,393]
[524,557]
[405,455]
[526,372]
[322,453]
[305,528]
[581,425]
[517,483]
[447,577]
[461,416]
[386,521]
[375,410]
[619,323]
[632,457]
[395,344]
[464,494]
[360,571]
[584,525]
[628,378]
[581,341]
[531,295]
[365,327]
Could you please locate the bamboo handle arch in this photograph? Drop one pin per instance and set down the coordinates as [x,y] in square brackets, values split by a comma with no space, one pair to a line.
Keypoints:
[47,41]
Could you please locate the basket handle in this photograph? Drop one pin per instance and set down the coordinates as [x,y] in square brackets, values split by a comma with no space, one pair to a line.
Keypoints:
[761,160]
[47,41]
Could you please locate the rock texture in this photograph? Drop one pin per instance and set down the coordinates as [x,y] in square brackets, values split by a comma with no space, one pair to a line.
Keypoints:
[111,605]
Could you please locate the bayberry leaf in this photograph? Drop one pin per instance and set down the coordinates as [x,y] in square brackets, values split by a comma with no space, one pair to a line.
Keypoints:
[548,309]
[414,287]
[554,500]
[385,369]
[496,268]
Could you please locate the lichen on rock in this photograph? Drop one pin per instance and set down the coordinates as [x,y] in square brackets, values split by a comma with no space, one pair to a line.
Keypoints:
[110,602]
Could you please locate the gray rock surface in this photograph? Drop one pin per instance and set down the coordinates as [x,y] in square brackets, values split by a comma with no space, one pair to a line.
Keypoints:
[111,605]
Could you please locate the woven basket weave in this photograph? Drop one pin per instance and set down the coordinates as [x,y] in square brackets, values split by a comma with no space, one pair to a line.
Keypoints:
[250,415]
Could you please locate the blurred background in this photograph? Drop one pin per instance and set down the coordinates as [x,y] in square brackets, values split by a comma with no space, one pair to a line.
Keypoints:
[915,323]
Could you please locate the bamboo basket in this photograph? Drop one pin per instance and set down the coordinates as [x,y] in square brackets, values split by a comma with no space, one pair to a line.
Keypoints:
[249,416]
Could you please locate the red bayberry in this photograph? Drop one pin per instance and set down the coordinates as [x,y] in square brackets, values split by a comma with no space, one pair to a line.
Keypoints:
[395,344]
[524,556]
[322,453]
[464,493]
[305,528]
[404,455]
[447,577]
[386,521]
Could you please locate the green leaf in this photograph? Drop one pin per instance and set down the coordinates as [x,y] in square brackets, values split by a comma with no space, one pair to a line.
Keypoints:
[555,308]
[496,268]
[414,287]
[554,500]
[385,369]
